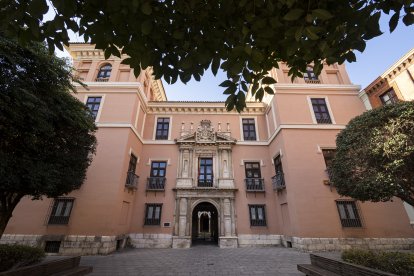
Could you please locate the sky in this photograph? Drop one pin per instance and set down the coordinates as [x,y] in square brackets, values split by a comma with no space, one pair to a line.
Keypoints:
[380,53]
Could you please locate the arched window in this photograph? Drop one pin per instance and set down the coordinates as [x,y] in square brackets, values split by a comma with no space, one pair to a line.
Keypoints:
[309,74]
[104,72]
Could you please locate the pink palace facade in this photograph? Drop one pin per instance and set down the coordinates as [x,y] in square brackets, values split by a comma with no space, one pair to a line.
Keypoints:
[174,174]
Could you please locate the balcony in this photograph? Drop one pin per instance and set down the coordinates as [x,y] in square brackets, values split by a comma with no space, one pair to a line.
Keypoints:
[205,183]
[324,120]
[315,81]
[278,182]
[156,183]
[329,182]
[102,79]
[132,180]
[254,184]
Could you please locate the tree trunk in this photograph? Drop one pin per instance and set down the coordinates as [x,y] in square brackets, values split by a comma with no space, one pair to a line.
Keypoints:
[8,201]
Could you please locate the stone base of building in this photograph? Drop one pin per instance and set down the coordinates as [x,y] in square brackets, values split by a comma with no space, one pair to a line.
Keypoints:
[228,242]
[71,244]
[139,240]
[337,244]
[258,240]
[181,242]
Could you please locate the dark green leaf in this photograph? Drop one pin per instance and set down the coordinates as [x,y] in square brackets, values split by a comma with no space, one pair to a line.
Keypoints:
[293,14]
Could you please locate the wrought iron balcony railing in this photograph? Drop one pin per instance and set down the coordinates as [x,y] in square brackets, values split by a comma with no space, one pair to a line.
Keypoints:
[205,183]
[102,79]
[156,183]
[324,120]
[278,182]
[132,180]
[254,184]
[316,81]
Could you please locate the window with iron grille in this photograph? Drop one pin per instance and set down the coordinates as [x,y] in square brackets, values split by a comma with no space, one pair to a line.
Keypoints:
[278,179]
[257,215]
[52,246]
[309,74]
[156,181]
[61,209]
[389,97]
[249,129]
[93,104]
[348,213]
[328,156]
[253,179]
[205,172]
[132,178]
[320,109]
[163,125]
[153,214]
[105,72]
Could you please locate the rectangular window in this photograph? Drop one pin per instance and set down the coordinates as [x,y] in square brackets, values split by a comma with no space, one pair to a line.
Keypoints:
[253,179]
[328,155]
[389,97]
[257,215]
[153,214]
[205,172]
[132,178]
[348,213]
[249,129]
[163,125]
[320,109]
[278,180]
[93,104]
[156,181]
[62,207]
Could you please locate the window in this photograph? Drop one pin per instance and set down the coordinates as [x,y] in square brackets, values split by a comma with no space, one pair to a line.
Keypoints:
[158,168]
[132,178]
[93,104]
[205,172]
[104,73]
[249,129]
[348,213]
[389,97]
[278,180]
[320,109]
[52,246]
[61,210]
[153,214]
[310,75]
[156,181]
[253,179]
[257,215]
[328,155]
[163,125]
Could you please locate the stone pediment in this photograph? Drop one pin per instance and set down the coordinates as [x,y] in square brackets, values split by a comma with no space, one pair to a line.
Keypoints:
[205,134]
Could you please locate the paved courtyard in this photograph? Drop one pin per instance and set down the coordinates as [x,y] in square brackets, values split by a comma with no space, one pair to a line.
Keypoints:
[199,260]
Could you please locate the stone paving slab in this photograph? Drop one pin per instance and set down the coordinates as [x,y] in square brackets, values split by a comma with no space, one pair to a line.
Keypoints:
[199,260]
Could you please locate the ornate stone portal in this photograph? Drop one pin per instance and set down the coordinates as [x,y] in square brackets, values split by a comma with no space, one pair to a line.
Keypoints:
[214,185]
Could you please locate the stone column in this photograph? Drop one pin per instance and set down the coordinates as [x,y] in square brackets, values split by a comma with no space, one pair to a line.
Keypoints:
[227,217]
[183,217]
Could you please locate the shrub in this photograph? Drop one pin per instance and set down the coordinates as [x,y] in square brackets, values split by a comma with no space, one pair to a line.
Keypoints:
[400,263]
[14,256]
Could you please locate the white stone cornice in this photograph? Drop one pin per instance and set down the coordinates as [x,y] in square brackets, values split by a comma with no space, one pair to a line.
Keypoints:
[317,87]
[201,107]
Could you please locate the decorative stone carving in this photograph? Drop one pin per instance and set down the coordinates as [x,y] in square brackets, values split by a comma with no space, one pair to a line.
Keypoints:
[205,132]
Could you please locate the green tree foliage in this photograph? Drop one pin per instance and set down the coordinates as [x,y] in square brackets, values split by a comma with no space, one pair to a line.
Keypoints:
[46,135]
[375,155]
[182,39]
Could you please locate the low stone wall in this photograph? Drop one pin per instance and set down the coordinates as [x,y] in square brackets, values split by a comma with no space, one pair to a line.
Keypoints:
[71,244]
[139,240]
[336,244]
[258,240]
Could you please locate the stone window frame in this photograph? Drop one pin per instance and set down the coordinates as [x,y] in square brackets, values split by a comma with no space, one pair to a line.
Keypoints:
[256,129]
[101,104]
[104,71]
[328,106]
[154,135]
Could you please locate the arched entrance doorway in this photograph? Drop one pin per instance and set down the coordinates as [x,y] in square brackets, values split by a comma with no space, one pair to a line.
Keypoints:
[204,224]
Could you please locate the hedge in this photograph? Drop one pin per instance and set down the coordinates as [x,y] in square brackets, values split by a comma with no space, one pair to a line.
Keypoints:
[400,263]
[14,256]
